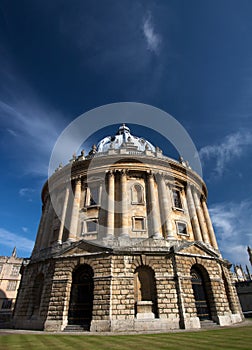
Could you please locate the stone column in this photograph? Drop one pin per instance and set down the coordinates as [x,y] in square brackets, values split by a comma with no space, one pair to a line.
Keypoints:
[48,225]
[63,215]
[165,207]
[193,215]
[200,216]
[111,204]
[124,204]
[75,212]
[154,207]
[209,225]
[42,225]
[229,289]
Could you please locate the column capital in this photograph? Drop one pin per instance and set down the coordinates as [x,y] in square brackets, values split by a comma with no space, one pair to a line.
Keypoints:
[160,175]
[110,172]
[151,173]
[122,171]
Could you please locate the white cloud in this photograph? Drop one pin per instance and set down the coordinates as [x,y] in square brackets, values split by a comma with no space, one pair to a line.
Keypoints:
[26,193]
[232,222]
[232,147]
[153,39]
[12,240]
[25,229]
[23,192]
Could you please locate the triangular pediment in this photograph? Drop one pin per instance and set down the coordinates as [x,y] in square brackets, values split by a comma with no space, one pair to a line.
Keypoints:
[83,248]
[197,249]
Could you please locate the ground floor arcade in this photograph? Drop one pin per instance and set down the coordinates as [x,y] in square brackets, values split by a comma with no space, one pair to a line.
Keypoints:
[102,289]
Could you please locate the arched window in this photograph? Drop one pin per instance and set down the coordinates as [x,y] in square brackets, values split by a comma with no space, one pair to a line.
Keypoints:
[137,194]
[176,196]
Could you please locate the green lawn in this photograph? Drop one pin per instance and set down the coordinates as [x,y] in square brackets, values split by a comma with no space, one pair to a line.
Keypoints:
[231,338]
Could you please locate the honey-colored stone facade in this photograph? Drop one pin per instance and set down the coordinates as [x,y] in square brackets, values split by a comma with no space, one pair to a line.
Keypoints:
[10,277]
[126,244]
[114,302]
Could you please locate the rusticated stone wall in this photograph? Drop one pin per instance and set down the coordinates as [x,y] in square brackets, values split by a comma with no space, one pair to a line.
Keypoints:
[114,303]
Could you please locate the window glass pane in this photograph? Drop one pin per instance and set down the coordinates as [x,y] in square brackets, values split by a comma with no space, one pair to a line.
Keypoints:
[7,304]
[177,199]
[94,195]
[182,228]
[91,226]
[12,285]
[15,270]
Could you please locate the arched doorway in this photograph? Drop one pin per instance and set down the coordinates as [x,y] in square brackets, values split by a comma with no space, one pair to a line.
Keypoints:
[81,298]
[200,294]
[145,291]
[36,297]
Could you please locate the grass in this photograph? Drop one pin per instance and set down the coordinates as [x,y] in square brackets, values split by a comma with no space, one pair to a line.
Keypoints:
[228,338]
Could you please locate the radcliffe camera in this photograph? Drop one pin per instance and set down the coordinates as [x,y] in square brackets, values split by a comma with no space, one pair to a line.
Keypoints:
[126,244]
[125,192]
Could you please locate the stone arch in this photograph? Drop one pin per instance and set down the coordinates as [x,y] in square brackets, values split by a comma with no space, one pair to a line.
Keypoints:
[145,292]
[137,193]
[36,295]
[202,291]
[81,261]
[2,294]
[140,261]
[81,297]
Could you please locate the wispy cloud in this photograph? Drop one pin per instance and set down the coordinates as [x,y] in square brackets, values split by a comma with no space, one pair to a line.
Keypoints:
[12,132]
[36,130]
[32,124]
[233,222]
[10,239]
[26,193]
[23,192]
[153,39]
[231,148]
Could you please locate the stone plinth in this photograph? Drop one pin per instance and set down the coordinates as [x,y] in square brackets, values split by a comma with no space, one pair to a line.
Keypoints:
[144,309]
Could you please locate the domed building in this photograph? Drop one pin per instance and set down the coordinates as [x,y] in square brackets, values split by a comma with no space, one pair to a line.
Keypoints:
[125,243]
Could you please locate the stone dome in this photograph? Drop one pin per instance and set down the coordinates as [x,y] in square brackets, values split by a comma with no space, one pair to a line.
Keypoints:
[124,137]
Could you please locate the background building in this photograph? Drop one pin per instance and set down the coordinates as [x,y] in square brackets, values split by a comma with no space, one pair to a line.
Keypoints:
[125,244]
[10,277]
[243,283]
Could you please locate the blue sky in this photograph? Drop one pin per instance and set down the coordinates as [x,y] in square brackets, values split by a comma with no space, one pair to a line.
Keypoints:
[192,59]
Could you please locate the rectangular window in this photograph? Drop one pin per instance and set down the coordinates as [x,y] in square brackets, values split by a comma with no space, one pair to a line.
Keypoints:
[177,199]
[181,227]
[90,226]
[12,285]
[139,224]
[93,195]
[15,270]
[7,303]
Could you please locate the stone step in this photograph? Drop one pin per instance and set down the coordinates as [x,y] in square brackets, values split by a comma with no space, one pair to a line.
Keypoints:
[76,328]
[208,324]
